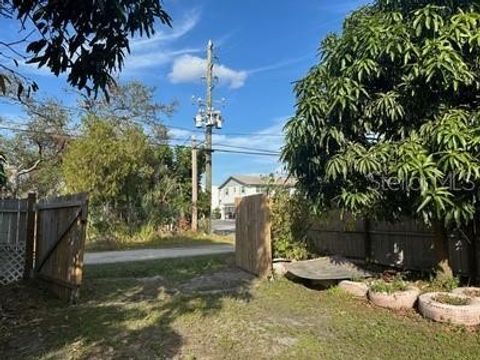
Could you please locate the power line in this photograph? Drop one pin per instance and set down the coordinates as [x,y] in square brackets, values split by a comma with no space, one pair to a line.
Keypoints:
[246,148]
[256,134]
[245,152]
[219,146]
[167,142]
[176,127]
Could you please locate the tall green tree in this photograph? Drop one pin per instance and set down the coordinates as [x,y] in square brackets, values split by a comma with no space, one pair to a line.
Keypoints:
[131,180]
[114,166]
[388,123]
[87,40]
[132,104]
[33,156]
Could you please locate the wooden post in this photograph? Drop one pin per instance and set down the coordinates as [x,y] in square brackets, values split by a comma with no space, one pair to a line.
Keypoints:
[78,257]
[194,186]
[30,240]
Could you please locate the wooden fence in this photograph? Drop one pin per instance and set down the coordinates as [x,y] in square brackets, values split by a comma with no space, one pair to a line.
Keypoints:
[407,244]
[253,248]
[60,241]
[16,238]
[45,241]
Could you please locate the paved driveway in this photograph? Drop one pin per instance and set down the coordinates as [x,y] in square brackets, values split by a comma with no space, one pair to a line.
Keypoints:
[108,257]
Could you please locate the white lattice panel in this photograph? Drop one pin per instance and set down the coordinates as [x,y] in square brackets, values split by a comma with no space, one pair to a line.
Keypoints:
[12,262]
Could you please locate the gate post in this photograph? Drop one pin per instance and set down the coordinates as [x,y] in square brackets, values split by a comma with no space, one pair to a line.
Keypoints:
[30,239]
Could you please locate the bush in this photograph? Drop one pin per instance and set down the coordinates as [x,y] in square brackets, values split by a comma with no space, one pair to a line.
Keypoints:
[290,222]
[217,213]
[443,284]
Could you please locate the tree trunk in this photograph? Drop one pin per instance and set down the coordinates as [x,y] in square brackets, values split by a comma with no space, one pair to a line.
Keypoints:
[440,243]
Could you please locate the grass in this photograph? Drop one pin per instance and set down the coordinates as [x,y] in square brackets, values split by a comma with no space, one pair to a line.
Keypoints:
[156,241]
[122,314]
[174,270]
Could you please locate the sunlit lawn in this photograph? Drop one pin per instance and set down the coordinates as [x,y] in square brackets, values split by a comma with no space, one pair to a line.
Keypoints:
[157,241]
[145,311]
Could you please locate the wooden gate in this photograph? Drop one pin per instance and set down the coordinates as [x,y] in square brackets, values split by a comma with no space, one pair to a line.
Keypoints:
[60,241]
[253,246]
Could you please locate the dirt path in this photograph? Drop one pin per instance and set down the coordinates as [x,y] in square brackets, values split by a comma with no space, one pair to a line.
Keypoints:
[108,257]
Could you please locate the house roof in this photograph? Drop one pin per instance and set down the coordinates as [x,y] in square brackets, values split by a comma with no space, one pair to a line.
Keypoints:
[255,180]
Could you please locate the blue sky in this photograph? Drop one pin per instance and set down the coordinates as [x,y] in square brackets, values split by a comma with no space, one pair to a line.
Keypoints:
[262,47]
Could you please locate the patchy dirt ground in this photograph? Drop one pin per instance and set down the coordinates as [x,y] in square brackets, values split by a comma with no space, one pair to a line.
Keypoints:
[206,309]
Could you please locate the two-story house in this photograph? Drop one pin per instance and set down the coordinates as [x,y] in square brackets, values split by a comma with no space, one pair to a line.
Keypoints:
[243,185]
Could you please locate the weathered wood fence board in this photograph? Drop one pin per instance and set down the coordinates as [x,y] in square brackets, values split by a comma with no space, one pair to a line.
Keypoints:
[16,238]
[48,237]
[60,243]
[407,244]
[253,248]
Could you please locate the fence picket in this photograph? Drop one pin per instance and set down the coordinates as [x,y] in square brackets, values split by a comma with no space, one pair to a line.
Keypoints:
[49,235]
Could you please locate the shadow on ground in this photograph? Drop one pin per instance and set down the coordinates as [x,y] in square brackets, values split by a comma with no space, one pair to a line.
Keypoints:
[117,317]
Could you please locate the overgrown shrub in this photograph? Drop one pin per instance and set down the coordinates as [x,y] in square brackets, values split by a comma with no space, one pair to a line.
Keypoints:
[290,222]
[443,284]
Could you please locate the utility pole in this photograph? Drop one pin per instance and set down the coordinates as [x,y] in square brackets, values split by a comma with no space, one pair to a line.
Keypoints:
[209,117]
[208,134]
[194,185]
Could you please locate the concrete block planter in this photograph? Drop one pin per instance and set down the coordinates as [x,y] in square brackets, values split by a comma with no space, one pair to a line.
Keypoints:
[398,300]
[280,266]
[468,314]
[468,291]
[354,288]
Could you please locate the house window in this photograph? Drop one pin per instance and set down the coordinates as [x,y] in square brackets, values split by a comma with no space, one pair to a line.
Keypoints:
[226,191]
[243,189]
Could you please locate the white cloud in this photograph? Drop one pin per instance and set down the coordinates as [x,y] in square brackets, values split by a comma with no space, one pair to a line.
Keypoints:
[189,68]
[187,24]
[154,58]
[278,65]
[157,50]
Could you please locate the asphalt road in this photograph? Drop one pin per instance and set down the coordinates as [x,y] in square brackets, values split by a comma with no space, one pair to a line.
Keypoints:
[108,257]
[223,226]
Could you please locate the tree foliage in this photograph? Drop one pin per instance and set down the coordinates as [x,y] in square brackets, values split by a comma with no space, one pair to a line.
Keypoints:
[132,104]
[388,123]
[153,182]
[131,180]
[85,39]
[33,156]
